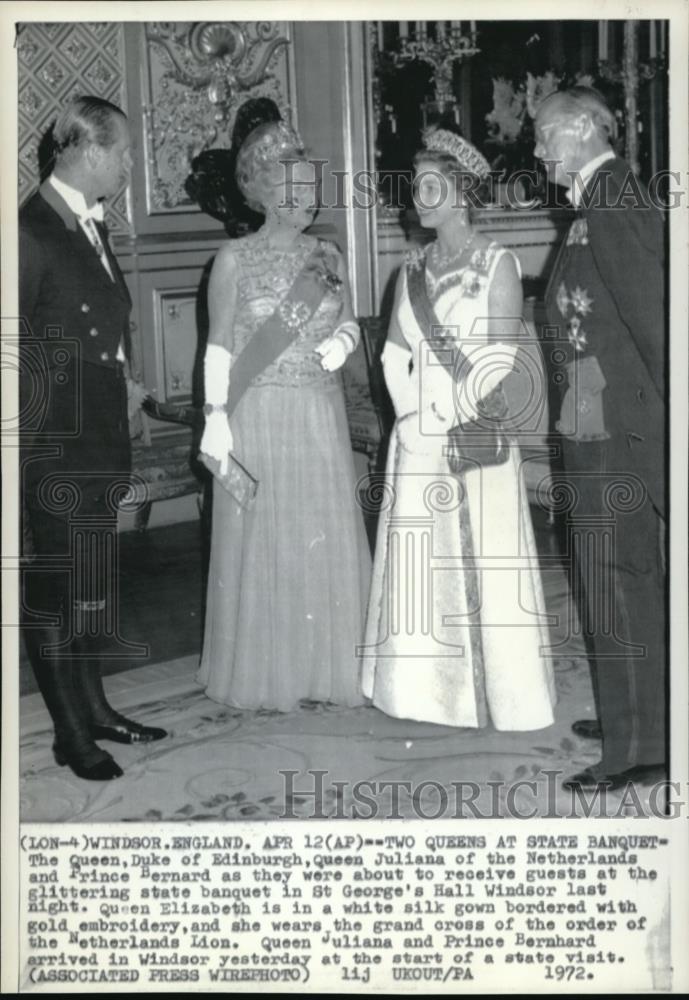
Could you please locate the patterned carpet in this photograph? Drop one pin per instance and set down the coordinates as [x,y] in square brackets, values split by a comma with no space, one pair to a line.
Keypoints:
[223,764]
[220,763]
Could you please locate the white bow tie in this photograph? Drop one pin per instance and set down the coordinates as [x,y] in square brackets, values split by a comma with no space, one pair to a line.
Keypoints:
[94,213]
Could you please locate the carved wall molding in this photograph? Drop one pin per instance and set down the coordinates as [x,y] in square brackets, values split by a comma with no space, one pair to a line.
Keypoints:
[197,74]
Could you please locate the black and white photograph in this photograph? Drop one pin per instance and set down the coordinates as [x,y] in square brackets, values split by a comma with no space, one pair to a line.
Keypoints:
[344,453]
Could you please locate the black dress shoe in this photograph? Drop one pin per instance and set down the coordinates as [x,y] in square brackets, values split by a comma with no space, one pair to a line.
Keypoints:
[56,677]
[646,774]
[127,731]
[103,770]
[104,722]
[589,729]
[592,779]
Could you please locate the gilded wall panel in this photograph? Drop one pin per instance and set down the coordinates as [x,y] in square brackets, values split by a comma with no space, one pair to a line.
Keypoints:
[197,74]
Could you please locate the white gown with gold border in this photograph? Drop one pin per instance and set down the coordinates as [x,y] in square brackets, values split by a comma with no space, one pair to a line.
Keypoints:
[456,629]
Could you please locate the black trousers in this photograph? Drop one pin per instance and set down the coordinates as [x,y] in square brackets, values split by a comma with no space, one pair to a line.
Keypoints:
[71,486]
[68,566]
[617,541]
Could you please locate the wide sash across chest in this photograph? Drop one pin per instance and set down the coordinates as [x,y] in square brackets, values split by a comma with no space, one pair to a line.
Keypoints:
[286,322]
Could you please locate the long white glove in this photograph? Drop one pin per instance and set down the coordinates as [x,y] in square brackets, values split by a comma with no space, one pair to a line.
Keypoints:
[336,349]
[442,397]
[217,436]
[582,415]
[403,391]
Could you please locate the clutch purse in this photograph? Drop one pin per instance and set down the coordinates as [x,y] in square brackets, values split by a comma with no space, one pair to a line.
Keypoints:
[238,481]
[480,442]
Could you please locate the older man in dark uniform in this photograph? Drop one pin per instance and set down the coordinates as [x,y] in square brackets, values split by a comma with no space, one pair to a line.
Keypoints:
[75,456]
[606,295]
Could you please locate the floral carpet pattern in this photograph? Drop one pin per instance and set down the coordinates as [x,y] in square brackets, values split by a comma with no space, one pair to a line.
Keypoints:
[224,764]
[321,761]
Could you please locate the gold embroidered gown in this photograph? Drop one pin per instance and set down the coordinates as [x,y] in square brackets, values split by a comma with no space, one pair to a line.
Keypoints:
[456,630]
[288,579]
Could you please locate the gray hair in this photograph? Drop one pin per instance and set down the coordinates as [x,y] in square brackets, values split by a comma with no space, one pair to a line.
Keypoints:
[86,120]
[577,100]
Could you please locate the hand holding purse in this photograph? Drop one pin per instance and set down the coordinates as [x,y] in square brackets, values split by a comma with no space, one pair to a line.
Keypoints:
[474,443]
[480,442]
[237,480]
[217,443]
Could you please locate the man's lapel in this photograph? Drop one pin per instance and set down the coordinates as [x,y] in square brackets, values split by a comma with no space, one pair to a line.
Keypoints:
[89,253]
[114,264]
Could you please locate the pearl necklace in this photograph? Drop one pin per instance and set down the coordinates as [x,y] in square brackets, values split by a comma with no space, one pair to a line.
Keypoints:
[442,258]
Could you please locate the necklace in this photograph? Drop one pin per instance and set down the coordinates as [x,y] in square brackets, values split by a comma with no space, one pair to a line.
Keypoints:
[263,244]
[442,258]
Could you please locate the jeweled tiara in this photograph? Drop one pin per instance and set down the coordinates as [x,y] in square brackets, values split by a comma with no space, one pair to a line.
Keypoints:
[278,140]
[467,156]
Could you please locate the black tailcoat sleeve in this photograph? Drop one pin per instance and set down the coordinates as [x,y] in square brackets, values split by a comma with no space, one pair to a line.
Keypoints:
[72,389]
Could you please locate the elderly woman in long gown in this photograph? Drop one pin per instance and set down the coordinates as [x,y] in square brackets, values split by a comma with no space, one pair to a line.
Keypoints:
[289,577]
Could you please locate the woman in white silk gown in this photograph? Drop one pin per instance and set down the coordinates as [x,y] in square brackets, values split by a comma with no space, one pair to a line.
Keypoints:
[456,630]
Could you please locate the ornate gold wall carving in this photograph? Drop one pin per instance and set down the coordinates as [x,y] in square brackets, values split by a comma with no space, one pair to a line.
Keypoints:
[196,76]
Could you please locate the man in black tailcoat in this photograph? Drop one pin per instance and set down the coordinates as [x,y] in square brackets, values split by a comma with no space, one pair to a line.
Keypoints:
[606,297]
[75,450]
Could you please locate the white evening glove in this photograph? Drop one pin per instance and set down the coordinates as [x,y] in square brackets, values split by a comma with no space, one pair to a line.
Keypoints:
[582,415]
[442,398]
[335,350]
[217,436]
[403,390]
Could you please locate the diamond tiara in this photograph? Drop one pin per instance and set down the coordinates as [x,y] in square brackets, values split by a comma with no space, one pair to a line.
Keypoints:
[278,139]
[439,140]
